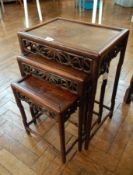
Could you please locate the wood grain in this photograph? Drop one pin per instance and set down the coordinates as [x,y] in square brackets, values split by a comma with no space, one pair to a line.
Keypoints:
[113,142]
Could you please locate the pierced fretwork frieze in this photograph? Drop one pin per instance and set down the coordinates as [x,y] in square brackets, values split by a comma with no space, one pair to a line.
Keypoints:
[77,62]
[51,114]
[107,59]
[36,110]
[55,79]
[35,107]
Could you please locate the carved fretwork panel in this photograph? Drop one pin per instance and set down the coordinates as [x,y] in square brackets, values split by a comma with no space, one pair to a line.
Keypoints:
[52,78]
[47,112]
[36,110]
[107,59]
[77,62]
[35,107]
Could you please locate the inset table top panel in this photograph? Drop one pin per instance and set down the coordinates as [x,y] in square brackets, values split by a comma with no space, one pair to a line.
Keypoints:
[76,35]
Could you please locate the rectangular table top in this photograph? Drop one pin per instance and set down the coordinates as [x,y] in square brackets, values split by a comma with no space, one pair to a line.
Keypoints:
[77,35]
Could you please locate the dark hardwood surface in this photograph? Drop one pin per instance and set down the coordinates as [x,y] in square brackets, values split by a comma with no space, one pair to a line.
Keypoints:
[110,151]
[47,94]
[69,33]
[51,66]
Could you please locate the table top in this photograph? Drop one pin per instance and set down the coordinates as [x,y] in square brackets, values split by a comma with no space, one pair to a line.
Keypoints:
[77,35]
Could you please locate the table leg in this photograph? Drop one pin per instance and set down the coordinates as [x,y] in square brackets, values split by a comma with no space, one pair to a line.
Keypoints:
[88,122]
[89,113]
[22,112]
[102,94]
[90,106]
[80,128]
[117,76]
[81,121]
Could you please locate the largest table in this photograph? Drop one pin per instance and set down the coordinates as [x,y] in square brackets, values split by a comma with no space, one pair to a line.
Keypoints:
[82,46]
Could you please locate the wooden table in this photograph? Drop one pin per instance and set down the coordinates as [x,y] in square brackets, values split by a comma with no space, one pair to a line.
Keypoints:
[82,46]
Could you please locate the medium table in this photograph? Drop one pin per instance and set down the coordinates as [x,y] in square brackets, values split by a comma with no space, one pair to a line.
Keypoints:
[82,46]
